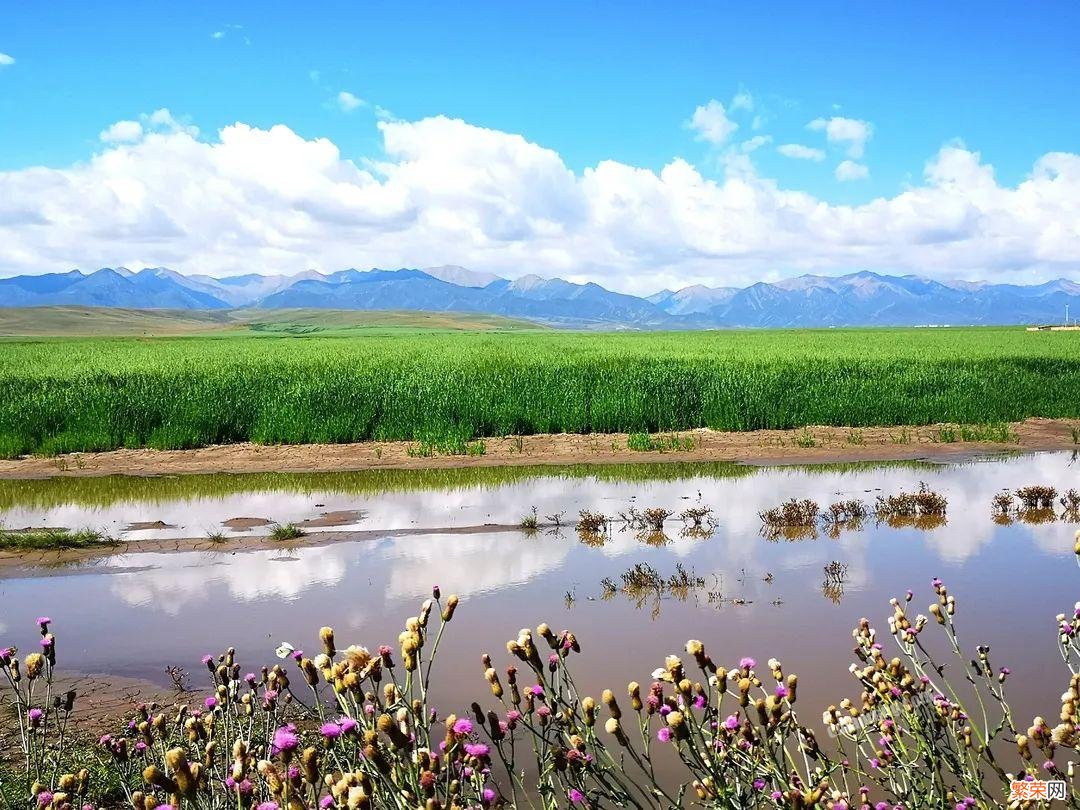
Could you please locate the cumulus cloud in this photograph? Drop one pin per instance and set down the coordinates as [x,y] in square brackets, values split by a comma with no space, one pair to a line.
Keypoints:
[848,170]
[348,102]
[852,133]
[122,132]
[711,123]
[442,191]
[6,60]
[800,152]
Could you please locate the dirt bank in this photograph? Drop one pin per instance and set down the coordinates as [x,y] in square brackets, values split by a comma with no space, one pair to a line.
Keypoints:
[809,445]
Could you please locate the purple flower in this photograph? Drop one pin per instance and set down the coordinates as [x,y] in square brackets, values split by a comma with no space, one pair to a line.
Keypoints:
[285,741]
[347,724]
[759,783]
[44,621]
[326,801]
[488,795]
[207,660]
[297,655]
[664,734]
[576,796]
[34,716]
[776,795]
[538,690]
[331,731]
[781,691]
[44,799]
[250,679]
[875,763]
[699,702]
[268,806]
[732,722]
[747,663]
[463,726]
[476,750]
[210,703]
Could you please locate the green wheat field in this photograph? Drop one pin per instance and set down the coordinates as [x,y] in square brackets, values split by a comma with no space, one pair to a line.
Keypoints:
[285,385]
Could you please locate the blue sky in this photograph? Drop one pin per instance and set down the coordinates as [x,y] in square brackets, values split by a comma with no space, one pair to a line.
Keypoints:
[591,81]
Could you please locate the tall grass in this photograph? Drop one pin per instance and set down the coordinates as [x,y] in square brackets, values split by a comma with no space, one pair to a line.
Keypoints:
[98,394]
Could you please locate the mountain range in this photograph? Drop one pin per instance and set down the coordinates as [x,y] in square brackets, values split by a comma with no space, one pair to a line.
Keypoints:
[857,299]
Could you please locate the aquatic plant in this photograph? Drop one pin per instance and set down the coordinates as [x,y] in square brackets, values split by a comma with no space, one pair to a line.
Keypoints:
[286,531]
[54,539]
[792,513]
[355,727]
[530,523]
[922,503]
[1037,496]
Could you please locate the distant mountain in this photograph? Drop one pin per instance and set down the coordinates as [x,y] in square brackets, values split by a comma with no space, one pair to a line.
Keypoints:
[692,300]
[152,288]
[461,276]
[857,299]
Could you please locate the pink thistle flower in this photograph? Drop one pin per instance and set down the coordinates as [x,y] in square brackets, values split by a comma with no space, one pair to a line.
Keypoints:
[463,726]
[210,703]
[297,655]
[781,691]
[331,731]
[759,783]
[208,661]
[326,802]
[44,799]
[488,795]
[347,724]
[44,621]
[285,740]
[478,750]
[732,722]
[747,663]
[268,806]
[664,734]
[576,796]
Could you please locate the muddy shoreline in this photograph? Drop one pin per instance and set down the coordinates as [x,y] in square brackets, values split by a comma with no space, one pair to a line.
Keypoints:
[802,446]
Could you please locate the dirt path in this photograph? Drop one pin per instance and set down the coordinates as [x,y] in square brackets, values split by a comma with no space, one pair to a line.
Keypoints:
[809,445]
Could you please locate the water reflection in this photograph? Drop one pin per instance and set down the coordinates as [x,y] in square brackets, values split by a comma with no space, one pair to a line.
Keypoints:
[743,595]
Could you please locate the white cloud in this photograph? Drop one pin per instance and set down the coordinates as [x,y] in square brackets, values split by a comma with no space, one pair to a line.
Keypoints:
[850,170]
[711,123]
[442,191]
[161,120]
[6,60]
[217,35]
[800,152]
[742,101]
[348,102]
[755,143]
[122,132]
[852,133]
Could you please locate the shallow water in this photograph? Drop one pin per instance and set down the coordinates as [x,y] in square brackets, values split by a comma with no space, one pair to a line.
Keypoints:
[134,614]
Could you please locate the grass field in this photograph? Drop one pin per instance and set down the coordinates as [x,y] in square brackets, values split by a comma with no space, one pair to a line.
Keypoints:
[59,395]
[105,322]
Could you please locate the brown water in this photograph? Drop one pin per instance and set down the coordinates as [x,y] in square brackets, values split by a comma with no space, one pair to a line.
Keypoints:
[134,614]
